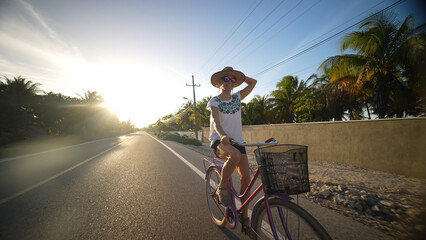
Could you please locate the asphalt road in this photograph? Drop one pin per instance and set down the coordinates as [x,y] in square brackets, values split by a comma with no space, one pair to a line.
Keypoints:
[132,187]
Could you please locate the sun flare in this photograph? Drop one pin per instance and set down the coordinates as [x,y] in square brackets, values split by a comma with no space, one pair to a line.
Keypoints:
[134,91]
[120,107]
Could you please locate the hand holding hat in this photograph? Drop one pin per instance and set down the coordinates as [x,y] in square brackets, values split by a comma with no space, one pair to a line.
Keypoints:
[216,78]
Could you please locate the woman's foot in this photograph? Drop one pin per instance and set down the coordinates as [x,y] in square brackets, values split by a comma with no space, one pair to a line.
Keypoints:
[222,193]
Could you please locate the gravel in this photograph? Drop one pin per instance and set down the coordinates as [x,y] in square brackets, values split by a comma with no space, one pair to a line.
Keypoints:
[392,203]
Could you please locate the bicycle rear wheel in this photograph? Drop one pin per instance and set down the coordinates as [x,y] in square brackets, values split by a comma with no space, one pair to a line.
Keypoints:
[217,212]
[290,220]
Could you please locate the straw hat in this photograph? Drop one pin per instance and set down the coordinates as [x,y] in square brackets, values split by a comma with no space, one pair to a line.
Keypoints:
[216,78]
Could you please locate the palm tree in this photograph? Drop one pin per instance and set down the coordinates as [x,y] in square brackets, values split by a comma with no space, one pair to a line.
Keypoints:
[203,115]
[182,117]
[329,96]
[91,97]
[247,113]
[310,106]
[342,96]
[50,111]
[257,110]
[17,100]
[186,117]
[94,120]
[18,91]
[386,56]
[283,99]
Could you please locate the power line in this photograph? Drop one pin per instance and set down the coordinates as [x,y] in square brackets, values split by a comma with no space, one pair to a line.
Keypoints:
[300,15]
[176,116]
[235,31]
[248,34]
[338,26]
[229,36]
[293,73]
[260,35]
[269,28]
[323,41]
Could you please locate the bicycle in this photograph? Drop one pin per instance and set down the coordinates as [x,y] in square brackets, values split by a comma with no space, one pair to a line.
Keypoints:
[283,170]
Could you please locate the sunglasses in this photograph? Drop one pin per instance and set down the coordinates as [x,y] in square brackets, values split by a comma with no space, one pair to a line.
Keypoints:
[227,79]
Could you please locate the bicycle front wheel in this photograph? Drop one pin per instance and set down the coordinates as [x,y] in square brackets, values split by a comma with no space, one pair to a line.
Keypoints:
[217,212]
[290,220]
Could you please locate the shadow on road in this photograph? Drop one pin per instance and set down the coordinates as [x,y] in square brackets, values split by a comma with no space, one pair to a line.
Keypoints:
[230,233]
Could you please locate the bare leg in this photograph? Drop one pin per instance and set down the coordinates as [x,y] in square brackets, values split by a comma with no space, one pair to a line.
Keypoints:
[235,160]
[233,157]
[244,172]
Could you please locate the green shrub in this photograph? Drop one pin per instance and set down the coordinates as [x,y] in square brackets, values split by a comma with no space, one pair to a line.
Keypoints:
[178,138]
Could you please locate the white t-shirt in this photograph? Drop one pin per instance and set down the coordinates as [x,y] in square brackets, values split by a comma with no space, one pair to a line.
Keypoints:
[229,117]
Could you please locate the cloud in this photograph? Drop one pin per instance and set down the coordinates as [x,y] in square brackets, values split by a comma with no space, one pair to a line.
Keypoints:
[31,48]
[30,10]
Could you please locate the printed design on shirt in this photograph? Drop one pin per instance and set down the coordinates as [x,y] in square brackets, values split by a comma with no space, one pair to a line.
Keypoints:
[231,107]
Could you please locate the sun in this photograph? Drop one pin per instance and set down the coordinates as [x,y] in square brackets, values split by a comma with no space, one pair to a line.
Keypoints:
[131,106]
[137,92]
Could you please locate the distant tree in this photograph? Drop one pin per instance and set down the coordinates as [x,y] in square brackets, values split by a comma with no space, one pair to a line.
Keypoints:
[182,117]
[52,112]
[18,91]
[309,107]
[24,113]
[203,114]
[91,97]
[126,127]
[17,99]
[247,113]
[256,111]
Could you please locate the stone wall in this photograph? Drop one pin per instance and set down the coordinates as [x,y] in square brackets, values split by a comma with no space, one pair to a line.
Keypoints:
[390,145]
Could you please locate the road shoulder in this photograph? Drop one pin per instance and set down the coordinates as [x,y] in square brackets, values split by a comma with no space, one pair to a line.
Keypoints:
[388,202]
[339,225]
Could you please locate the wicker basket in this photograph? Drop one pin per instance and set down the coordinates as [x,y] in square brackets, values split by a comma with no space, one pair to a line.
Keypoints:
[283,169]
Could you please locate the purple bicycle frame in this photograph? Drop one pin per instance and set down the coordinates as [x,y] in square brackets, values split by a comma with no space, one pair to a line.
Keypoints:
[265,199]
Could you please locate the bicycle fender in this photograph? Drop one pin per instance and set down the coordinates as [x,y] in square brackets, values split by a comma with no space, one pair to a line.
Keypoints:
[255,208]
[257,205]
[211,166]
[261,201]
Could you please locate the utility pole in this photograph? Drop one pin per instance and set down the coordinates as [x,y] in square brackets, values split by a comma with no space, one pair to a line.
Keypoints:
[195,105]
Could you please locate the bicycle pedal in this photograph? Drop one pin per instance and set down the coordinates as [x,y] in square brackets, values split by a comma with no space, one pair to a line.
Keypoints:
[230,215]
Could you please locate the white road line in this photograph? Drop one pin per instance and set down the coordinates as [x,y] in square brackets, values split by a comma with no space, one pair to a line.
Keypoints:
[48,151]
[4,200]
[196,170]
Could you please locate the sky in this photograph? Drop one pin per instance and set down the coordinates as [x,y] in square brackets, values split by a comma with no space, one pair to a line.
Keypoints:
[140,55]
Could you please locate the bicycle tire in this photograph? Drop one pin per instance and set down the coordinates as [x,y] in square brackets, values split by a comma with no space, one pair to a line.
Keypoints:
[217,212]
[300,224]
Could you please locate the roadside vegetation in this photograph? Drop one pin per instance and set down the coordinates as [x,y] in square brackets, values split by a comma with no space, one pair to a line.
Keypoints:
[381,74]
[184,139]
[28,113]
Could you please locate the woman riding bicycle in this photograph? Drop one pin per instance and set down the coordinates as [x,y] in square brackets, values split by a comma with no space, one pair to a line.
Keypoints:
[226,125]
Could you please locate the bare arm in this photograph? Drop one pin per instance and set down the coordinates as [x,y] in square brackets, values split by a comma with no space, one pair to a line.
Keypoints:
[216,124]
[250,85]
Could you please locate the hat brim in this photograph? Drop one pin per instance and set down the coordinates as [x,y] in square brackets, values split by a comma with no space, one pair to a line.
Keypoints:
[216,78]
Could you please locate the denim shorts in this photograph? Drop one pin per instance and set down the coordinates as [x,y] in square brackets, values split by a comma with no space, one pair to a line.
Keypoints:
[214,145]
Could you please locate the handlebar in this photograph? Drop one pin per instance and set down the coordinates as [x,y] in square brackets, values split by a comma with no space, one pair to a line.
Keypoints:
[270,141]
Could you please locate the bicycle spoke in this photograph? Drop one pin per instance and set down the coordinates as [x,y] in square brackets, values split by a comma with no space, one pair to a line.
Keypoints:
[291,222]
[217,204]
[216,210]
